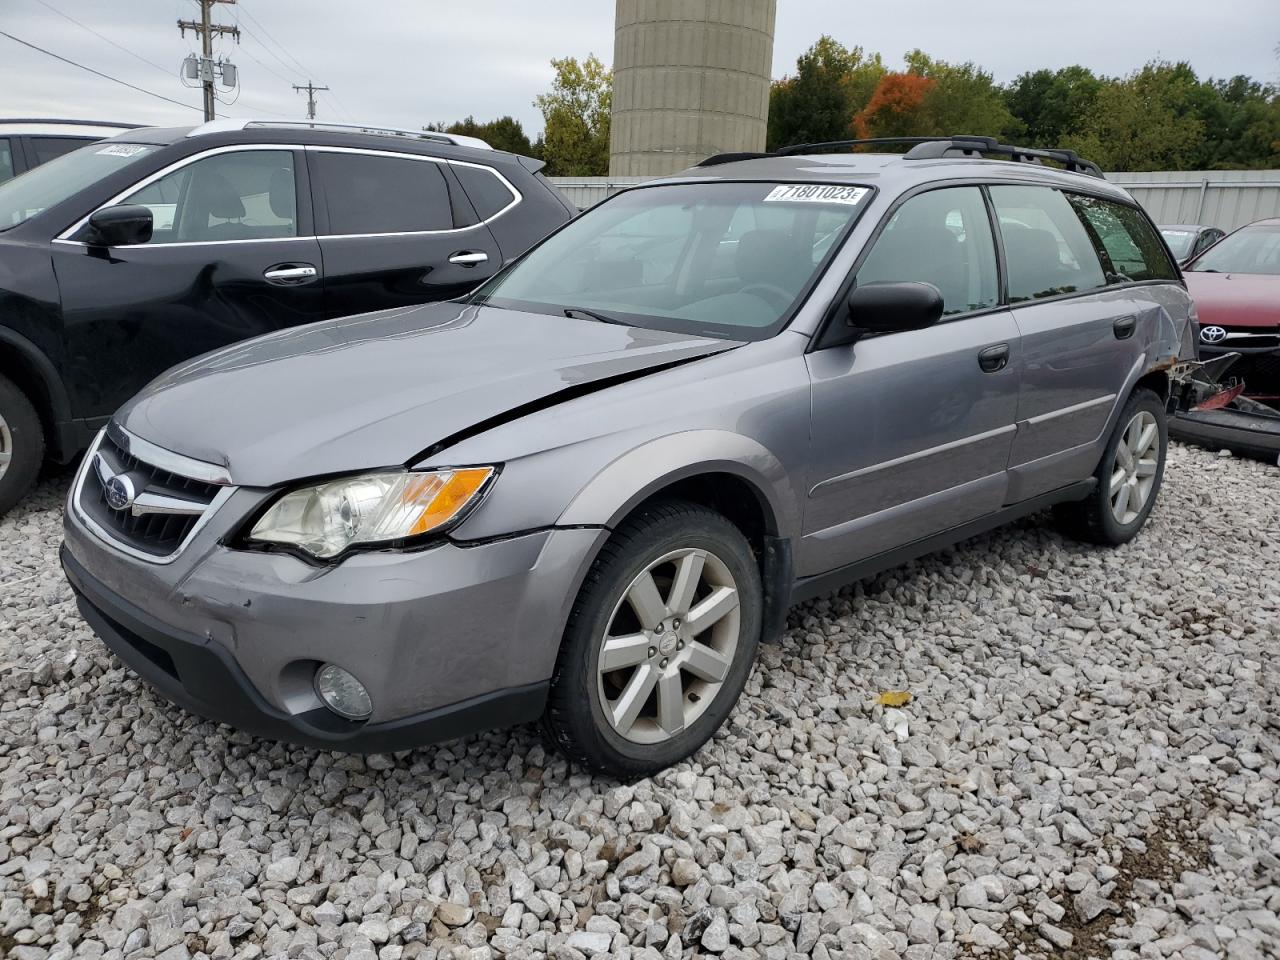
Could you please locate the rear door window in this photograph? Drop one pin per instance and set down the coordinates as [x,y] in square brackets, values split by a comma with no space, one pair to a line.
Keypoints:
[1125,239]
[6,159]
[942,237]
[1048,252]
[369,194]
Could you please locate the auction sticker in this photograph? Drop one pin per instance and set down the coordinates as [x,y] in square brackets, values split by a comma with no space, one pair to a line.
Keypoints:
[122,149]
[815,193]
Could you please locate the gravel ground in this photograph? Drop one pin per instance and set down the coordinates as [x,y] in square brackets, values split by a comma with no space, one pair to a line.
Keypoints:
[1089,766]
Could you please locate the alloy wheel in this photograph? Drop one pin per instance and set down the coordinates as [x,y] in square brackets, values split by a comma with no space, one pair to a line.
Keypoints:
[669,645]
[6,446]
[1133,473]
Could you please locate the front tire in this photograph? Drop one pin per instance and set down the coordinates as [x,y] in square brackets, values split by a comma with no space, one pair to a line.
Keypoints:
[1128,477]
[21,445]
[659,643]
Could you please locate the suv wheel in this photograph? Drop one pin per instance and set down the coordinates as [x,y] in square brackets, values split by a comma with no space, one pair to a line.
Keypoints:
[1128,476]
[659,642]
[21,445]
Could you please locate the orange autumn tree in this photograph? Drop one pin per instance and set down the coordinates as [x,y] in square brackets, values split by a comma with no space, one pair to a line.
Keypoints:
[894,109]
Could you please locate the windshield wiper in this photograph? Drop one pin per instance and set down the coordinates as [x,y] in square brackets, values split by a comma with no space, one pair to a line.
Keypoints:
[576,313]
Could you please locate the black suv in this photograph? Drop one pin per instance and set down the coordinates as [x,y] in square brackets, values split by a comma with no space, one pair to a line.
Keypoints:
[128,256]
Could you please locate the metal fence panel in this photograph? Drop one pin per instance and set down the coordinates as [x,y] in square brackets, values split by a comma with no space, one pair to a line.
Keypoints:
[1217,198]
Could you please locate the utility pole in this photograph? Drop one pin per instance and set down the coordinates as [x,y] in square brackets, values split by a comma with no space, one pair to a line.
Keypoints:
[312,90]
[206,30]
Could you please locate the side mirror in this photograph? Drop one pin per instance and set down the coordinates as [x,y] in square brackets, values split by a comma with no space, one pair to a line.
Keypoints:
[886,306]
[890,306]
[120,226]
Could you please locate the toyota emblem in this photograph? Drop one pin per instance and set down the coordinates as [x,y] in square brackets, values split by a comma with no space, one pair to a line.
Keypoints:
[119,492]
[1212,335]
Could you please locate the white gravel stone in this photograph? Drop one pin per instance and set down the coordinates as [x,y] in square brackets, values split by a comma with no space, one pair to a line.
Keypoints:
[1082,722]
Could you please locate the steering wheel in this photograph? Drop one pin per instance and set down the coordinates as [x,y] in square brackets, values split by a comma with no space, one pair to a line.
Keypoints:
[773,295]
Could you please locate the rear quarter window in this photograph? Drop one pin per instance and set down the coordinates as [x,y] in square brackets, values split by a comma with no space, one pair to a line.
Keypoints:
[488,194]
[1125,238]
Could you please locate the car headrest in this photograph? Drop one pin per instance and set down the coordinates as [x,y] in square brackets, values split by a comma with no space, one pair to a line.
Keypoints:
[213,194]
[281,194]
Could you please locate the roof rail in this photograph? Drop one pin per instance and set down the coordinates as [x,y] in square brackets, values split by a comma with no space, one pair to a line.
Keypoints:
[964,145]
[74,123]
[931,148]
[454,139]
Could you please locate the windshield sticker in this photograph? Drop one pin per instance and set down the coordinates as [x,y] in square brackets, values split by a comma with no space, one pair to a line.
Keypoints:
[122,149]
[815,193]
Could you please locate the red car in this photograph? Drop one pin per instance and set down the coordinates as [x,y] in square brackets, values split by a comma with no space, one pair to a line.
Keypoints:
[1236,286]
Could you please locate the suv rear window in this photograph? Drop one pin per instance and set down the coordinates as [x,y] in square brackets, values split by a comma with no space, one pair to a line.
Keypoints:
[370,194]
[1126,239]
[1047,250]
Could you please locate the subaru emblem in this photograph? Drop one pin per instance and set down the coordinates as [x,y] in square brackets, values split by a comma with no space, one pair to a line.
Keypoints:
[1212,335]
[119,492]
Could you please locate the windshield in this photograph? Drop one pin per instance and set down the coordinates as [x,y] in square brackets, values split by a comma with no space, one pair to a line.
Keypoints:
[1179,241]
[36,190]
[1249,250]
[718,259]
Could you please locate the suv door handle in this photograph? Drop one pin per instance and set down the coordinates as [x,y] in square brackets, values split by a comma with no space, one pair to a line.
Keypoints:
[469,258]
[1124,327]
[994,359]
[290,274]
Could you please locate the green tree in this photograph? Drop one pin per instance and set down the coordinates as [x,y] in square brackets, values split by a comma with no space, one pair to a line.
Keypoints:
[505,133]
[575,140]
[1145,121]
[962,98]
[831,84]
[1241,125]
[1052,104]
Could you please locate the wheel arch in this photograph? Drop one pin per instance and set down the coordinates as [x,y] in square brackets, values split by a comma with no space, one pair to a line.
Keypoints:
[734,475]
[34,373]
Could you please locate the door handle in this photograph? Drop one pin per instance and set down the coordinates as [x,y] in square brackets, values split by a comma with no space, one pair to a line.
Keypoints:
[1124,327]
[994,359]
[291,274]
[469,258]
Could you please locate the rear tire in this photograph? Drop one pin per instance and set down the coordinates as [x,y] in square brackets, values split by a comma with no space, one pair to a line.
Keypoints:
[1128,477]
[659,643]
[21,445]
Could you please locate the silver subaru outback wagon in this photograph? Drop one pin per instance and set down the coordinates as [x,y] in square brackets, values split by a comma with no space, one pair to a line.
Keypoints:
[584,493]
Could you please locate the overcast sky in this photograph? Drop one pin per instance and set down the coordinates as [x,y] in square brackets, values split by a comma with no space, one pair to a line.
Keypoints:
[410,62]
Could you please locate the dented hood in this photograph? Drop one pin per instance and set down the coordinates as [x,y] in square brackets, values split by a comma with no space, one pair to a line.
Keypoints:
[377,389]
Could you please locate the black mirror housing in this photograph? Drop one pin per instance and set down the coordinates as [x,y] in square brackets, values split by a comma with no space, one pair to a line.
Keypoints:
[123,225]
[891,306]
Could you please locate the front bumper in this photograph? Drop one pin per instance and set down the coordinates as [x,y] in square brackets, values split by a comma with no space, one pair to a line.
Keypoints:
[1258,367]
[448,641]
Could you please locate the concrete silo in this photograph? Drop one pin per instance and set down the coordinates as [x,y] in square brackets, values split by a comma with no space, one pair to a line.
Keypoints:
[690,78]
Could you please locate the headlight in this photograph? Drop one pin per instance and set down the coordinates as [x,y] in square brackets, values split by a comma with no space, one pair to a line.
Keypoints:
[326,519]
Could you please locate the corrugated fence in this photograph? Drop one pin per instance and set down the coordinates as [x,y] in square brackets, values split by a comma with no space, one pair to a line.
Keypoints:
[1218,198]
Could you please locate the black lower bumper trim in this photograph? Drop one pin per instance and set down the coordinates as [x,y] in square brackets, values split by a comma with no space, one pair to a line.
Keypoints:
[1246,434]
[201,676]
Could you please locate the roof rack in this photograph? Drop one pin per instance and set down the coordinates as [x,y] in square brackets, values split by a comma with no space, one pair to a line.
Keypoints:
[72,123]
[932,148]
[226,124]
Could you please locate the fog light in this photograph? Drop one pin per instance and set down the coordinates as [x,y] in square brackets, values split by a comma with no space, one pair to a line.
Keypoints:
[342,693]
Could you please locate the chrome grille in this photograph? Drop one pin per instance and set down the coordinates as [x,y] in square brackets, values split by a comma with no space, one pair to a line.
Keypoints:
[139,506]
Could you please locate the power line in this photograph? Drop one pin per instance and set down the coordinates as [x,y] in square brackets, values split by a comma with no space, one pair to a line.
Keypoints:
[267,33]
[83,26]
[99,73]
[259,62]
